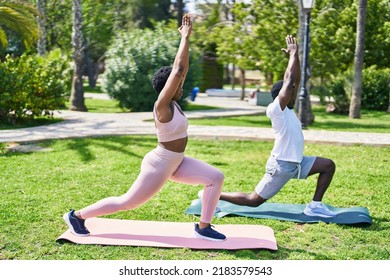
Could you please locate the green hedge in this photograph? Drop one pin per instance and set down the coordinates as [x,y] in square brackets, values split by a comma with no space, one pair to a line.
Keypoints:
[32,86]
[376,89]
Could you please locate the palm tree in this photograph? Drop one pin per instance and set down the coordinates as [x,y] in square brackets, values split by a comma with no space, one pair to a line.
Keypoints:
[354,108]
[19,17]
[388,108]
[41,5]
[77,92]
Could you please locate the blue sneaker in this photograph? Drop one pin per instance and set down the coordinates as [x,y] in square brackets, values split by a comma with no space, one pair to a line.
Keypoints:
[75,224]
[208,233]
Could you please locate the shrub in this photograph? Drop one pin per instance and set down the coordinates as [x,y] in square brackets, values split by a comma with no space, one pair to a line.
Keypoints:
[131,62]
[376,88]
[31,86]
[337,90]
[375,95]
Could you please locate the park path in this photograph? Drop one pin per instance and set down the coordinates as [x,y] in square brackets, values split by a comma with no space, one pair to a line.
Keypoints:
[84,124]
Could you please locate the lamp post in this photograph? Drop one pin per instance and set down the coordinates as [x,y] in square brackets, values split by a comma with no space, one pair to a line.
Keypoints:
[307,7]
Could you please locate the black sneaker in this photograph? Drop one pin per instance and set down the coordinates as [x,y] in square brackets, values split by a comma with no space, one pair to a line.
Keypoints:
[75,224]
[208,233]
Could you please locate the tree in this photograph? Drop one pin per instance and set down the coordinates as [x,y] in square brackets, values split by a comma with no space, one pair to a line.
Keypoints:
[212,76]
[251,41]
[77,91]
[377,34]
[236,42]
[268,23]
[354,108]
[98,30]
[334,36]
[140,13]
[101,21]
[18,17]
[331,23]
[388,108]
[41,5]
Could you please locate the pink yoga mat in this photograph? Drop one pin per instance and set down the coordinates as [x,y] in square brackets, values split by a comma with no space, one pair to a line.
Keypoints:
[171,235]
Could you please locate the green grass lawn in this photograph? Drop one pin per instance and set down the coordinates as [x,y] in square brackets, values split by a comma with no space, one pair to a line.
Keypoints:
[38,188]
[103,106]
[96,89]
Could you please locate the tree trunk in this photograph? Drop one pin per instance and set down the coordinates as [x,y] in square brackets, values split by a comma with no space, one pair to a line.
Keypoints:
[233,19]
[388,108]
[357,89]
[233,76]
[242,79]
[226,79]
[41,19]
[92,69]
[77,91]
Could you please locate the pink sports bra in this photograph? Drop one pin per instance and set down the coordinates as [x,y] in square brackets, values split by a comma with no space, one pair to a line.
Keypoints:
[174,129]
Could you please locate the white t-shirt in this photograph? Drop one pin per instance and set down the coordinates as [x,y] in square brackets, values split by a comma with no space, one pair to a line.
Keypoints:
[289,140]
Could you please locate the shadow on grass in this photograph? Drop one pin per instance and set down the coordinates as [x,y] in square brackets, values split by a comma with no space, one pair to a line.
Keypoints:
[83,146]
[250,254]
[266,254]
[117,144]
[379,224]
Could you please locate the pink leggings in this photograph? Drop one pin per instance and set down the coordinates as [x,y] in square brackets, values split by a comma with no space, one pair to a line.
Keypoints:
[157,167]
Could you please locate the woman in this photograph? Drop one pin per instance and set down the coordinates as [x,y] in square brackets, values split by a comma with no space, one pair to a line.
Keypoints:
[167,160]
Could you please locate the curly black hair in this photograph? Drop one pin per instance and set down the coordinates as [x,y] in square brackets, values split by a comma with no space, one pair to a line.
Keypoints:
[276,88]
[160,77]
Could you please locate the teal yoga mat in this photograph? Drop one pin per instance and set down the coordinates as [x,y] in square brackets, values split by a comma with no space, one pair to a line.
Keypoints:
[286,212]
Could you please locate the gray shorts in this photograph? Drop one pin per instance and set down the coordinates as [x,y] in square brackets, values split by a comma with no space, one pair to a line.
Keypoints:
[279,172]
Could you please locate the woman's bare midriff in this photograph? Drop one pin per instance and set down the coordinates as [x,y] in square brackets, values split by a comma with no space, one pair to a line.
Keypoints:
[177,146]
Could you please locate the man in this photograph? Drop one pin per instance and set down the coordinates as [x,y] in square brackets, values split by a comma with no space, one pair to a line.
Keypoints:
[287,160]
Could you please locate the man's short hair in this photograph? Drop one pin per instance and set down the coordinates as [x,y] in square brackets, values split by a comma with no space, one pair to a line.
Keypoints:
[276,89]
[160,78]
